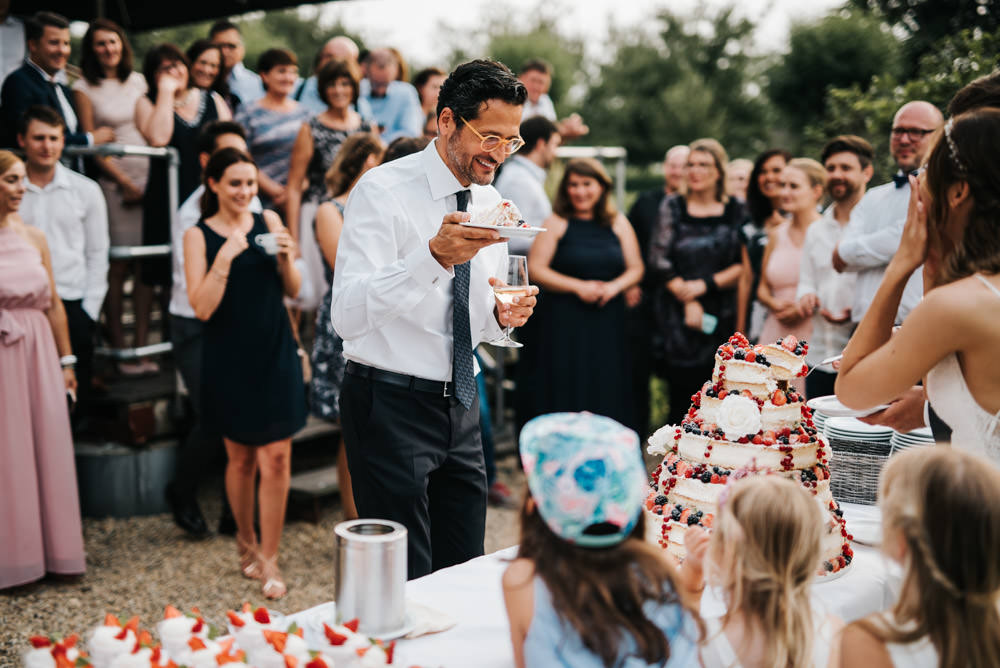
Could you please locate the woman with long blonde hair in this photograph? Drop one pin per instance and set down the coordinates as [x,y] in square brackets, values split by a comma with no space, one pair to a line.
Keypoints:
[763,555]
[941,522]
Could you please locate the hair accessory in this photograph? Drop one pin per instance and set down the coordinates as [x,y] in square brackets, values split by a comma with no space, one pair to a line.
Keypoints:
[952,147]
[584,470]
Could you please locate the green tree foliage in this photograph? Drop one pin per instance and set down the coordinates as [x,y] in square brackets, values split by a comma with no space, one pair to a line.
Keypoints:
[837,51]
[925,22]
[694,79]
[952,63]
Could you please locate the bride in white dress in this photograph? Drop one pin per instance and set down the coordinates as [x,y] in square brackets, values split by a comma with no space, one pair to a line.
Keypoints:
[952,339]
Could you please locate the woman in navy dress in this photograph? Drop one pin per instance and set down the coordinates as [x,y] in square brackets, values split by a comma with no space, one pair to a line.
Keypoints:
[575,356]
[252,389]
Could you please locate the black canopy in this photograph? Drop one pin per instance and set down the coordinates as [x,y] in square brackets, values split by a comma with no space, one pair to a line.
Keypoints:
[135,15]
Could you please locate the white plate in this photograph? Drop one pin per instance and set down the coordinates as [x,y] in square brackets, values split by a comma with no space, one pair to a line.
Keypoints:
[507,232]
[327,612]
[831,407]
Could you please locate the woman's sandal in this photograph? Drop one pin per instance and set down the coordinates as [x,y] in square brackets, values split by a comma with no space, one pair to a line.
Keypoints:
[249,559]
[273,584]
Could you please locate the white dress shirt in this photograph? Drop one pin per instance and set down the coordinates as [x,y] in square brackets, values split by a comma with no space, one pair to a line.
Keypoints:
[392,301]
[835,291]
[11,45]
[71,211]
[188,216]
[870,241]
[245,84]
[523,182]
[543,107]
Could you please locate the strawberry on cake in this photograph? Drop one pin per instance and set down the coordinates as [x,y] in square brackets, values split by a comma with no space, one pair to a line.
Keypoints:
[503,214]
[746,419]
[48,652]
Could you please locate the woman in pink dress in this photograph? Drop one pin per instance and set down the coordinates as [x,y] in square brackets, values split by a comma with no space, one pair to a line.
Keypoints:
[40,528]
[802,185]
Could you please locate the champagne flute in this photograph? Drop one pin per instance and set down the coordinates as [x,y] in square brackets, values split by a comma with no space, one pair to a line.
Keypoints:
[515,284]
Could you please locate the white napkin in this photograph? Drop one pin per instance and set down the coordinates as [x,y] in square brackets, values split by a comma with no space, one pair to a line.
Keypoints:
[427,620]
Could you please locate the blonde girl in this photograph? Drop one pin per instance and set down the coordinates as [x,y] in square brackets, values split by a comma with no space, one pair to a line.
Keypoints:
[941,522]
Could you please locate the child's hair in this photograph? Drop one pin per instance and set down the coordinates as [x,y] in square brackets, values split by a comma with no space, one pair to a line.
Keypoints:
[945,505]
[764,554]
[350,160]
[600,592]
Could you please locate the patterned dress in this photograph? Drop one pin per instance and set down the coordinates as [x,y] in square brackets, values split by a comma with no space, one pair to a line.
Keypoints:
[327,354]
[270,136]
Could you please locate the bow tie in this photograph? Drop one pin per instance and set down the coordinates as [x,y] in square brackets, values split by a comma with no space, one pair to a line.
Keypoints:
[900,179]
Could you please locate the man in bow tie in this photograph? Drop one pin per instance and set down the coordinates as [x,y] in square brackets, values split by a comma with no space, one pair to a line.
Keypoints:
[412,298]
[42,81]
[876,226]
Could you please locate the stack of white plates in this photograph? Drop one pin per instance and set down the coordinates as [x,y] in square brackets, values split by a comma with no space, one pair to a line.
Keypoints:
[851,433]
[828,407]
[914,439]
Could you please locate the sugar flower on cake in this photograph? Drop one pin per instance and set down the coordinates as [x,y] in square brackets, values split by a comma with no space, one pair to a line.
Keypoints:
[659,440]
[50,653]
[739,416]
[110,639]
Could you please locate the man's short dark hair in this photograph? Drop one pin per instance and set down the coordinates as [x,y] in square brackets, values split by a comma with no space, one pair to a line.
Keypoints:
[222,26]
[275,58]
[35,26]
[536,129]
[536,65]
[849,144]
[43,114]
[210,134]
[983,92]
[475,82]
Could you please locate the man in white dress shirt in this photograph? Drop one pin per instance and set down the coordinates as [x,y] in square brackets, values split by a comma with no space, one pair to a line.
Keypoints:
[412,299]
[522,180]
[873,235]
[71,210]
[243,83]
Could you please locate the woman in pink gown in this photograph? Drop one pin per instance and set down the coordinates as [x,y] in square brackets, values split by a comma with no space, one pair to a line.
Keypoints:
[40,529]
[802,185]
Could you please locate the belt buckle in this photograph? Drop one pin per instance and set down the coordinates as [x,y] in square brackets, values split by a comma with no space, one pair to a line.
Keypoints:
[444,392]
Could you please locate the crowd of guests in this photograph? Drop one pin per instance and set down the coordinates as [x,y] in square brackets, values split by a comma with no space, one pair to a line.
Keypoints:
[267,164]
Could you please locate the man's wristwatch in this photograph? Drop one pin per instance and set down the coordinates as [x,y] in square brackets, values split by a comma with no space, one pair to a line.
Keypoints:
[67,361]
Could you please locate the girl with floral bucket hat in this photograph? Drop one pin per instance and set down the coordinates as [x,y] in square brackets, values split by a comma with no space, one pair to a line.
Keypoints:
[585,589]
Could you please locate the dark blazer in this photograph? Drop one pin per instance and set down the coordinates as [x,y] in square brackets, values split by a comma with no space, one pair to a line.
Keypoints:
[23,88]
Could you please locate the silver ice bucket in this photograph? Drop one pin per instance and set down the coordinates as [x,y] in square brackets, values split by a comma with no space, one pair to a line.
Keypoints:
[371,575]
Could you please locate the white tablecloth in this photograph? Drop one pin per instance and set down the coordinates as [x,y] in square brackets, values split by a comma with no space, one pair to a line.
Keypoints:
[472,595]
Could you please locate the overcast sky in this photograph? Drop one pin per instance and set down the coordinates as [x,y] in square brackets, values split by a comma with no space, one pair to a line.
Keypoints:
[414,26]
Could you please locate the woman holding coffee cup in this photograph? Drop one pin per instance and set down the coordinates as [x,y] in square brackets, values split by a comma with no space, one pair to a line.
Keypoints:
[239,267]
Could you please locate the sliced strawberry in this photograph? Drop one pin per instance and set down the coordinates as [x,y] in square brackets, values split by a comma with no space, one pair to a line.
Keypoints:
[789,343]
[197,612]
[291,661]
[226,644]
[197,644]
[723,394]
[121,634]
[199,624]
[235,619]
[300,632]
[757,440]
[70,641]
[40,641]
[145,638]
[246,607]
[684,515]
[317,663]
[111,620]
[707,520]
[389,651]
[170,612]
[778,398]
[223,659]
[333,637]
[750,356]
[770,438]
[747,393]
[155,655]
[260,615]
[353,624]
[276,639]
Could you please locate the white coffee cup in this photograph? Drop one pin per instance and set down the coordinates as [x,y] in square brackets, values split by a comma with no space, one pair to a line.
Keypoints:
[268,242]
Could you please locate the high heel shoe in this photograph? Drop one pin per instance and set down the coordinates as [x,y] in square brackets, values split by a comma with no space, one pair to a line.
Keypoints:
[249,558]
[273,584]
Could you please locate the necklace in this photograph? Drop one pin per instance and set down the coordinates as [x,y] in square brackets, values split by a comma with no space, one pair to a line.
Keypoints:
[187,98]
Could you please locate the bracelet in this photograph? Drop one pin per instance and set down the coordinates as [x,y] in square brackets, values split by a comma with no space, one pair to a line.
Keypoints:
[67,360]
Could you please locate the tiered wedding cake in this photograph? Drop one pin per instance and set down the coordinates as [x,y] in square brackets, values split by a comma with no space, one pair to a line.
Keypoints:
[746,420]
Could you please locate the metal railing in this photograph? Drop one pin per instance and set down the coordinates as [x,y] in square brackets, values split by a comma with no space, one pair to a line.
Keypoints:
[172,157]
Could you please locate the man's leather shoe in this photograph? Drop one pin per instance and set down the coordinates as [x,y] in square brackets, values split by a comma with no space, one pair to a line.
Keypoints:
[187,514]
[500,496]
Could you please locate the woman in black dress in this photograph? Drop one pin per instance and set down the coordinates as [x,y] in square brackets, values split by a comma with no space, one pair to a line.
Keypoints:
[575,356]
[696,256]
[252,389]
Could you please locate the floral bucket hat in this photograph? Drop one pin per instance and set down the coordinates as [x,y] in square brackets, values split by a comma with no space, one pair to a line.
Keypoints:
[586,476]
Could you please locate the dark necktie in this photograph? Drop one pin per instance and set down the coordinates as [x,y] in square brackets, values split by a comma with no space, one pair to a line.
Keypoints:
[461,358]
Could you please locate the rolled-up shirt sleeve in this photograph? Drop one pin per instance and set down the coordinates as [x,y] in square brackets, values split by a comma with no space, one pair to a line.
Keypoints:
[96,244]
[372,283]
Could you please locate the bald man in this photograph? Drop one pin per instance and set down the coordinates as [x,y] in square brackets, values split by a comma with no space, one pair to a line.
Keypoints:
[396,104]
[876,225]
[336,48]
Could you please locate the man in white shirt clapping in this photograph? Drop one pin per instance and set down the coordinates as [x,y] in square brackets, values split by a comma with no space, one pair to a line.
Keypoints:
[71,210]
[412,299]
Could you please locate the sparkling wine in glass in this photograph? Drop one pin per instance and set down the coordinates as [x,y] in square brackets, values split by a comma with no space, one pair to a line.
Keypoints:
[516,285]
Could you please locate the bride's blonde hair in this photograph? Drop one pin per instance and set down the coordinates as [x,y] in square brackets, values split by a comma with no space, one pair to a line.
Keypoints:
[944,504]
[764,553]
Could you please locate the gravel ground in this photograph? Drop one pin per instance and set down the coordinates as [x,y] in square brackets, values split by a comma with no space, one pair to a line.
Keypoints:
[136,566]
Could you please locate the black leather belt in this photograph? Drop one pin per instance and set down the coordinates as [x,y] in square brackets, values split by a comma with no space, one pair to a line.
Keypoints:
[442,388]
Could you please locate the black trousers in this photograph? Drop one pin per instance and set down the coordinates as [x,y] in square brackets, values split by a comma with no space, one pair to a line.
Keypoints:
[682,383]
[199,450]
[81,338]
[416,458]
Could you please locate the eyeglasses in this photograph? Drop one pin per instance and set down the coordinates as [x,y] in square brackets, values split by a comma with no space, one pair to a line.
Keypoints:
[704,166]
[491,143]
[915,134]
